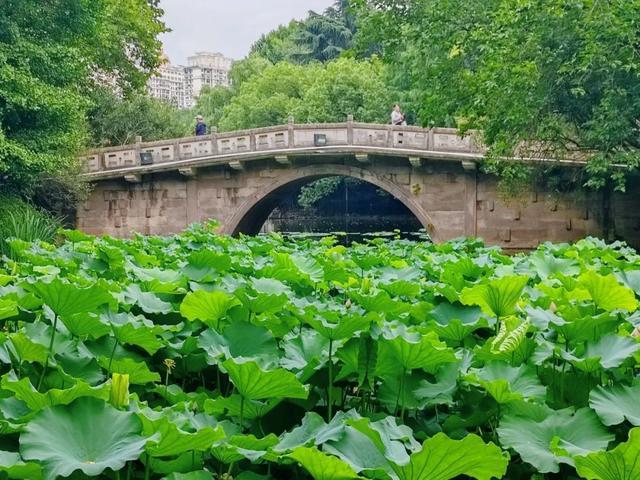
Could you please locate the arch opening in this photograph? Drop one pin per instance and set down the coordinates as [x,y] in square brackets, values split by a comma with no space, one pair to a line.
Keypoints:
[361,203]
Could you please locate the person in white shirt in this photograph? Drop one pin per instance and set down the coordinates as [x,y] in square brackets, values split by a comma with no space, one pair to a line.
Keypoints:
[397,117]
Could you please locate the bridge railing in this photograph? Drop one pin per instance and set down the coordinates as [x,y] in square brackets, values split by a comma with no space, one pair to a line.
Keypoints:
[286,139]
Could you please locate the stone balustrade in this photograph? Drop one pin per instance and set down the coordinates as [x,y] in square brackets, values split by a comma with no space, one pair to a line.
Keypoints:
[282,142]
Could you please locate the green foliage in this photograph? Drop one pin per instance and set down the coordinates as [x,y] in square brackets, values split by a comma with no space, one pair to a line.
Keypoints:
[539,78]
[51,57]
[621,463]
[58,438]
[320,37]
[311,93]
[24,222]
[114,120]
[181,356]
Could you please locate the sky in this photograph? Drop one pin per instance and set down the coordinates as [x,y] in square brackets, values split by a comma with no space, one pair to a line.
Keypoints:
[226,26]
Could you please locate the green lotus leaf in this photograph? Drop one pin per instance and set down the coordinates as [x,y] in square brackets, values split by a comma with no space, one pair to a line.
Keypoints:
[26,349]
[547,265]
[546,438]
[85,325]
[307,351]
[322,466]
[454,322]
[304,435]
[230,406]
[616,403]
[75,236]
[80,366]
[497,297]
[15,467]
[240,447]
[8,308]
[442,458]
[631,278]
[241,339]
[66,299]
[253,383]
[36,401]
[174,441]
[137,331]
[506,384]
[149,302]
[442,390]
[373,449]
[608,352]
[206,265]
[607,293]
[338,326]
[364,451]
[138,372]
[208,307]
[198,475]
[88,435]
[621,463]
[268,295]
[380,301]
[411,349]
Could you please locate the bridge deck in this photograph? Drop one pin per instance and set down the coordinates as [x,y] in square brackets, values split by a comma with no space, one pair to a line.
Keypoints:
[284,142]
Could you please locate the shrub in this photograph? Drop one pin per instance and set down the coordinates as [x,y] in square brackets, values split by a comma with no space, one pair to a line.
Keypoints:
[22,220]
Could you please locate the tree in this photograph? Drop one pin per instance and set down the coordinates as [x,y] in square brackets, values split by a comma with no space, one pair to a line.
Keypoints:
[539,77]
[268,98]
[323,37]
[279,45]
[347,87]
[212,102]
[52,55]
[311,93]
[320,37]
[116,120]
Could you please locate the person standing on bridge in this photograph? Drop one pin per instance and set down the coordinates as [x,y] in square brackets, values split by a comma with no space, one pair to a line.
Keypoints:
[201,127]
[397,117]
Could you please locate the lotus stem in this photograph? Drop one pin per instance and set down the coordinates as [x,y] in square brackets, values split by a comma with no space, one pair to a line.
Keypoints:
[147,468]
[400,393]
[113,352]
[46,362]
[241,410]
[330,393]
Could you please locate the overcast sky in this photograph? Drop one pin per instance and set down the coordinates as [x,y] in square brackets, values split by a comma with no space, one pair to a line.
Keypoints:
[226,26]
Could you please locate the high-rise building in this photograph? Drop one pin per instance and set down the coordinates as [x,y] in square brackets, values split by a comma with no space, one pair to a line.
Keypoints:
[168,85]
[205,69]
[180,86]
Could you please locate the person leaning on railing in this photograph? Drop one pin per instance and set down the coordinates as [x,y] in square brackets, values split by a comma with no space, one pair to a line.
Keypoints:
[397,117]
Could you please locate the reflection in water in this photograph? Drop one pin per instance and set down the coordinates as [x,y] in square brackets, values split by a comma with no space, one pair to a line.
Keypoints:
[343,205]
[344,238]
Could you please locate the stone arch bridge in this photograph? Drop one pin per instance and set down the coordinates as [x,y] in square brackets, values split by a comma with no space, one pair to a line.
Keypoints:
[162,187]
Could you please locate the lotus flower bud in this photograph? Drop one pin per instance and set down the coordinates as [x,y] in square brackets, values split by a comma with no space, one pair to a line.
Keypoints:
[366,285]
[119,396]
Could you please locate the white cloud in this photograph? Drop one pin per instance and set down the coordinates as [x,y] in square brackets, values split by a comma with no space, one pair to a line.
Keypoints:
[226,26]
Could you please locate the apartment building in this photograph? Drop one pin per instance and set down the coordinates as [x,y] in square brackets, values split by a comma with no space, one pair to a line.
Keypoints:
[180,86]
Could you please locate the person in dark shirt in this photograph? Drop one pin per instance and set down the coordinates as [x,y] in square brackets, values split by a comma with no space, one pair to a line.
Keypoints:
[201,127]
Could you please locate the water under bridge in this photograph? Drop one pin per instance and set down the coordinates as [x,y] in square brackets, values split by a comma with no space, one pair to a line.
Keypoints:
[237,177]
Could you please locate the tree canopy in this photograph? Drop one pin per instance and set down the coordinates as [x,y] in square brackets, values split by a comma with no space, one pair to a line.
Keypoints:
[311,93]
[320,37]
[52,56]
[559,78]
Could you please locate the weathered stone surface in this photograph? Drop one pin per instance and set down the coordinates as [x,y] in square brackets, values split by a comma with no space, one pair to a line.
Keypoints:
[238,182]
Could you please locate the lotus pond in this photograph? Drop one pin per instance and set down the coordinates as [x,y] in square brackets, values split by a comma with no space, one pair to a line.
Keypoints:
[199,356]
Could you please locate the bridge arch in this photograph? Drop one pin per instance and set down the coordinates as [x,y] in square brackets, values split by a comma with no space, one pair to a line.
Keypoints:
[253,212]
